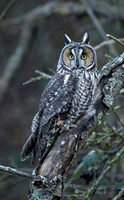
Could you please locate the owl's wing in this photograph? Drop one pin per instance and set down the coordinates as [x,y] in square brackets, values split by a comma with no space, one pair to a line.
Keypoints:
[56,98]
[30,144]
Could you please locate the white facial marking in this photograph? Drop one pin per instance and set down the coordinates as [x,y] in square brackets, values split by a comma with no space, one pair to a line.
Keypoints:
[81,61]
[80,52]
[73,62]
[73,52]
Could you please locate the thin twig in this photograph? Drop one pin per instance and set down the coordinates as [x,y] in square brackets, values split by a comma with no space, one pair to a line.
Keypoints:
[15,172]
[118,118]
[44,75]
[119,195]
[94,19]
[104,43]
[32,80]
[114,38]
[38,78]
[6,9]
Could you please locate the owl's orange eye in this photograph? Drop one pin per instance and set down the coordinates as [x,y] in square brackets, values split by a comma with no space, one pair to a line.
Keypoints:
[71,57]
[83,56]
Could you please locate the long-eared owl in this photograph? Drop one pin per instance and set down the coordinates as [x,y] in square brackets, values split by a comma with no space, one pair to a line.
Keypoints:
[65,99]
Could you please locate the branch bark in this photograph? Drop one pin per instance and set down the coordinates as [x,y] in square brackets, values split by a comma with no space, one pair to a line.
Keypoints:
[57,163]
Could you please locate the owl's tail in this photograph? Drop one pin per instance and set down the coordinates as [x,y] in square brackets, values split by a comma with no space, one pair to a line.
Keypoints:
[30,144]
[29,147]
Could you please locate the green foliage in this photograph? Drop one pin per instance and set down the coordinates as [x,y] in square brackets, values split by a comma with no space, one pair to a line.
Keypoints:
[119,185]
[104,184]
[90,163]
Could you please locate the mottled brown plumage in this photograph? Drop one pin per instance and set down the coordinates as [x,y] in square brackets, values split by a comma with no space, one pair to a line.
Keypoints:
[65,99]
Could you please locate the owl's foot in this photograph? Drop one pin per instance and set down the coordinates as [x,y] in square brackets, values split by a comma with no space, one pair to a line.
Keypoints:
[73,126]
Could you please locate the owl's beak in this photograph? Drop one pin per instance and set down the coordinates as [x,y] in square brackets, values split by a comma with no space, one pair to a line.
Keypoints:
[77,63]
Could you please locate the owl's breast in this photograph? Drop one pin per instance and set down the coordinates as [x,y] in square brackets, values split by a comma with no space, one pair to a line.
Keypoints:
[84,92]
[81,100]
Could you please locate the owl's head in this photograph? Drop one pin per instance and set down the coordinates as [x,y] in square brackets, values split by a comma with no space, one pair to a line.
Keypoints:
[78,55]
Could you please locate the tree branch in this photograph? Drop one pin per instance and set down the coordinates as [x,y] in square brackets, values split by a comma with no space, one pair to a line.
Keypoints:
[38,78]
[119,195]
[98,25]
[104,43]
[15,172]
[16,58]
[6,9]
[115,39]
[107,9]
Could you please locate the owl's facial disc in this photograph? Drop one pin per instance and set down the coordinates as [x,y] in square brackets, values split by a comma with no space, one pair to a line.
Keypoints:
[78,57]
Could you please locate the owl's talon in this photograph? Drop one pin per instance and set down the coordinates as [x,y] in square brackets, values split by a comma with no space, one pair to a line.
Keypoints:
[73,126]
[70,126]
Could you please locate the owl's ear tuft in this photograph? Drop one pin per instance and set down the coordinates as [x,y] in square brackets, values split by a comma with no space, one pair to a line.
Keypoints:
[86,38]
[66,39]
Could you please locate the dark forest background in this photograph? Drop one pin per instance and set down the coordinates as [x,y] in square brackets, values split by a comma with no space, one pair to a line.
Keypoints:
[27,44]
